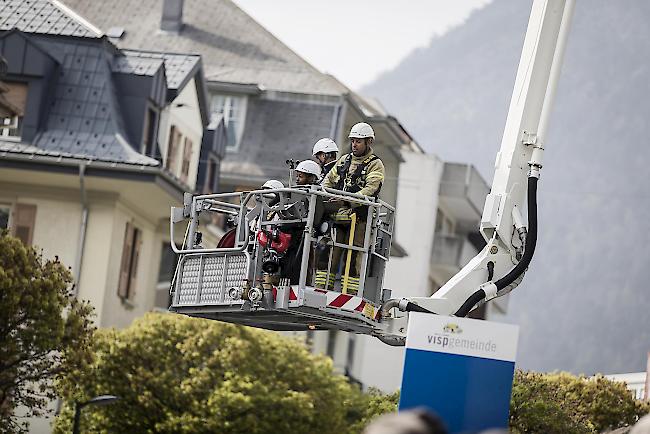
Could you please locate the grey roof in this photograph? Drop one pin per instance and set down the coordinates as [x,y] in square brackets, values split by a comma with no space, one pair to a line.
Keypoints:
[83,117]
[136,65]
[178,67]
[44,16]
[275,131]
[235,48]
[12,147]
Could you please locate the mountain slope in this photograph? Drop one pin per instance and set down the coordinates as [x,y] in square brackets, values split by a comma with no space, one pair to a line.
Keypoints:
[583,304]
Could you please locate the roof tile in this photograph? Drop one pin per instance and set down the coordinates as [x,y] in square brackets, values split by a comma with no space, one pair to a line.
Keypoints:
[234,47]
[41,16]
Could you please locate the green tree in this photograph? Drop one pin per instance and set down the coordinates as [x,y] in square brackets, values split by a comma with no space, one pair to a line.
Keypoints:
[43,330]
[176,374]
[370,405]
[565,403]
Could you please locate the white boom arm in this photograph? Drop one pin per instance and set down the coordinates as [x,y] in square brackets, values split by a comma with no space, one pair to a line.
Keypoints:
[518,163]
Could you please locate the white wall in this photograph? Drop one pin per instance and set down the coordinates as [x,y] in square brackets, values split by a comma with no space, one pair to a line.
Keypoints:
[377,364]
[114,311]
[185,115]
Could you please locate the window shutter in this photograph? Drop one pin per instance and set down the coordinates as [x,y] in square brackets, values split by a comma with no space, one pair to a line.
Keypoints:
[187,155]
[171,148]
[133,272]
[125,266]
[23,224]
[149,133]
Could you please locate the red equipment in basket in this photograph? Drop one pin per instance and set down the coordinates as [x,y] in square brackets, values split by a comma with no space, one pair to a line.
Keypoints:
[279,243]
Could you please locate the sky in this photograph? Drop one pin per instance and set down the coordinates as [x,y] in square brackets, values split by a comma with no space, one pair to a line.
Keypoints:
[357,40]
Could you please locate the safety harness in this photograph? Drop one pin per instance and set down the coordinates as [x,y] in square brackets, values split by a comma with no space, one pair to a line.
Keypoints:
[354,182]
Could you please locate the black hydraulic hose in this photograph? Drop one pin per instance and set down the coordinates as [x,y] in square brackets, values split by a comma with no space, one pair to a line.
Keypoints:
[520,268]
[412,307]
[531,238]
[470,303]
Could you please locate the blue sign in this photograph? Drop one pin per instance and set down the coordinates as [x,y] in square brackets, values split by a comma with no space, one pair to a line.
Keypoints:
[461,369]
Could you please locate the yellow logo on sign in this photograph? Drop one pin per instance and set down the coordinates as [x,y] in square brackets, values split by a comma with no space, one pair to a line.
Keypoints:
[452,328]
[369,310]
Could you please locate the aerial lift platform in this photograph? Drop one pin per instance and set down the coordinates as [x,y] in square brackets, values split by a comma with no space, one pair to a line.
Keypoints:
[265,276]
[249,280]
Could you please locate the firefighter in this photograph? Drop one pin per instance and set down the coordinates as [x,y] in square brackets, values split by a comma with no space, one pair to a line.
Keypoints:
[308,172]
[361,172]
[325,152]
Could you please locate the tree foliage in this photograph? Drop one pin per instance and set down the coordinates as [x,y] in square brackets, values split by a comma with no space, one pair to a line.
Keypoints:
[184,375]
[43,330]
[370,405]
[564,403]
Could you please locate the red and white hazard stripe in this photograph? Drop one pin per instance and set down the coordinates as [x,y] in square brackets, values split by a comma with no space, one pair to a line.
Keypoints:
[292,294]
[352,303]
[336,300]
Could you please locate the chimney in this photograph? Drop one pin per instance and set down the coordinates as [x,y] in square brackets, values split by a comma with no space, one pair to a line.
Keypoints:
[172,16]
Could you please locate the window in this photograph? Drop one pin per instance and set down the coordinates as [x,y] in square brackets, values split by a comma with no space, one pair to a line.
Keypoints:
[19,221]
[349,363]
[212,176]
[168,260]
[233,109]
[331,343]
[13,99]
[23,222]
[187,157]
[173,147]
[129,264]
[5,213]
[11,127]
[149,133]
[444,225]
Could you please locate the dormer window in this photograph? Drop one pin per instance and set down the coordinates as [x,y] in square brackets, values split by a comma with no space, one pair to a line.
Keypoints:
[233,110]
[149,130]
[13,98]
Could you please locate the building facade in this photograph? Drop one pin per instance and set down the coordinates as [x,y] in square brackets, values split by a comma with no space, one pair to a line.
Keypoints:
[126,124]
[275,105]
[85,165]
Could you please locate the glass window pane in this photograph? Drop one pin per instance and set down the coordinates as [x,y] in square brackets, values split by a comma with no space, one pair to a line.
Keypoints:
[233,109]
[218,102]
[167,264]
[5,210]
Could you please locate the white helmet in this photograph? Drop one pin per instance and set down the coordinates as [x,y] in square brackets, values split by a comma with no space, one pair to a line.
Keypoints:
[361,131]
[273,183]
[325,145]
[309,166]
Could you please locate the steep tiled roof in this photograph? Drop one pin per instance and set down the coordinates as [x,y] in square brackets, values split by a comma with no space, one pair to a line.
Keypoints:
[235,48]
[44,16]
[178,67]
[83,117]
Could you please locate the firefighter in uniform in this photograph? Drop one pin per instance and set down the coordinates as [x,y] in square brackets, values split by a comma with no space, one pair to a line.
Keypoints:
[308,172]
[360,172]
[325,152]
